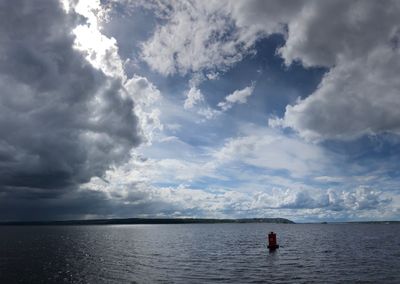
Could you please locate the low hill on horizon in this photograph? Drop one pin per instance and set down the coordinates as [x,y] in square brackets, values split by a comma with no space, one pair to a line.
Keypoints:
[127,221]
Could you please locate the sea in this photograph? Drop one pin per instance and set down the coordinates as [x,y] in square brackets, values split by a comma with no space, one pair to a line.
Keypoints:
[200,253]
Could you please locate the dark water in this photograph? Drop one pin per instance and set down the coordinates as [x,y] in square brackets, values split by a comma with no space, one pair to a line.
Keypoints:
[200,253]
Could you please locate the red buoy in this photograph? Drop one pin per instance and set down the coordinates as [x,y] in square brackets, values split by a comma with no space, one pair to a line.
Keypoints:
[272,245]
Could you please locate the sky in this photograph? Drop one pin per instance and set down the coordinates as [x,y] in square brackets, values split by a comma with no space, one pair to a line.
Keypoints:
[211,109]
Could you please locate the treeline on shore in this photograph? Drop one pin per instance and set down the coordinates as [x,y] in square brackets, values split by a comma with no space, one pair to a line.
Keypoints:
[128,221]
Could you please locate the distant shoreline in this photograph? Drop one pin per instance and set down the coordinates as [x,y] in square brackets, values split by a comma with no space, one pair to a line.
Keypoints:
[160,221]
[362,222]
[132,221]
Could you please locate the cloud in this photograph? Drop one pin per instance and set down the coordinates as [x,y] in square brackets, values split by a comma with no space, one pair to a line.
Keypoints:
[260,18]
[211,36]
[193,97]
[62,121]
[359,96]
[238,96]
[195,100]
[193,38]
[295,204]
[314,41]
[360,54]
[172,161]
[270,150]
[188,201]
[360,198]
[70,114]
[197,36]
[360,93]
[101,51]
[147,105]
[166,187]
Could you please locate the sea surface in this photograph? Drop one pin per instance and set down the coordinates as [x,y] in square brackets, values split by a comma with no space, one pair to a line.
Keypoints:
[200,253]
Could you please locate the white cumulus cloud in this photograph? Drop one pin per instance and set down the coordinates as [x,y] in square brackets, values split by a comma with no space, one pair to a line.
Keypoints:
[360,93]
[238,96]
[194,96]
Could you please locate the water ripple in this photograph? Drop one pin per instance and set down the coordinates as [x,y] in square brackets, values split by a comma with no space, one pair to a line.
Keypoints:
[200,253]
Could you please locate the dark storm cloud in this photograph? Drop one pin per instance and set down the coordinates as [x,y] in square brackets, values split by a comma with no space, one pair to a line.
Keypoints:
[61,121]
[29,204]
